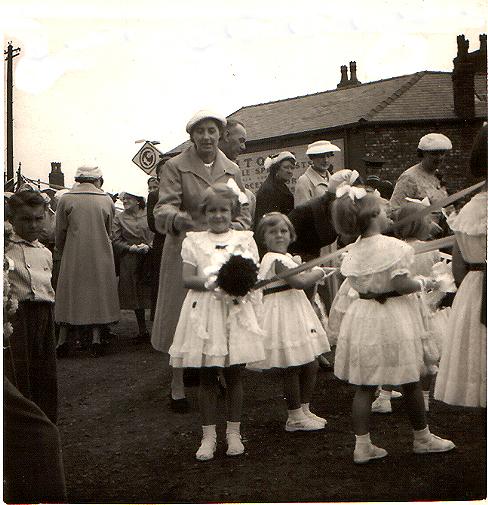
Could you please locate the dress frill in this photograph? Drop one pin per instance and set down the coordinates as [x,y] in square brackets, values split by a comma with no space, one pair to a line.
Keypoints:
[462,372]
[343,299]
[380,343]
[294,334]
[215,331]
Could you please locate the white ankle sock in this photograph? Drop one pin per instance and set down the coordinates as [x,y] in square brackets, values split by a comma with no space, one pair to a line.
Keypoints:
[363,439]
[209,431]
[306,407]
[421,434]
[233,427]
[296,414]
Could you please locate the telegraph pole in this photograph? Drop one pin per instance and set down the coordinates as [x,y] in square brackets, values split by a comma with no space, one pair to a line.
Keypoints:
[11,54]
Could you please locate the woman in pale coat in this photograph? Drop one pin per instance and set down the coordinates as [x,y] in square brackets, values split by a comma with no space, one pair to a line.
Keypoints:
[86,293]
[182,183]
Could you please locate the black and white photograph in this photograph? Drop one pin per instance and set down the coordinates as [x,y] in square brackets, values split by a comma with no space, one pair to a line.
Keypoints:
[244,251]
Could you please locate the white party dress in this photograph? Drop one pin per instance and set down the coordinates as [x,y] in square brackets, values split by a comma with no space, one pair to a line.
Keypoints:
[293,334]
[462,372]
[214,330]
[379,343]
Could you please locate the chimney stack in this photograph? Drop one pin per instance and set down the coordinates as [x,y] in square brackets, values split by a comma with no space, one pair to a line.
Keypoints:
[466,65]
[353,81]
[56,177]
[344,79]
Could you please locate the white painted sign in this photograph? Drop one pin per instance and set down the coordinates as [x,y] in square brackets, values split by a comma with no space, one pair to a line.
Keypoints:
[147,158]
[254,173]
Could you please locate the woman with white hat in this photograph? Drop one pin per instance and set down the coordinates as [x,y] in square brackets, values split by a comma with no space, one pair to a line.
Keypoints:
[274,195]
[86,289]
[182,184]
[421,180]
[132,241]
[314,181]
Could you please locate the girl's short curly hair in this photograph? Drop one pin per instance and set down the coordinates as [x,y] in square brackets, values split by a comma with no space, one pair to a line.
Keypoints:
[272,219]
[223,191]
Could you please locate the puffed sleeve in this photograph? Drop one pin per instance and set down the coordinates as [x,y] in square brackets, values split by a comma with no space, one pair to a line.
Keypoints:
[405,261]
[188,250]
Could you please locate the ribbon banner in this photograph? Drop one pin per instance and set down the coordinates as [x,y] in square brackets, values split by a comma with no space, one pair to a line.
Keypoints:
[432,245]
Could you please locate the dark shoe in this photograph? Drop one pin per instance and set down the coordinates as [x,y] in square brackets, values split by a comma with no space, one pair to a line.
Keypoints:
[108,337]
[180,406]
[97,350]
[324,363]
[142,338]
[63,350]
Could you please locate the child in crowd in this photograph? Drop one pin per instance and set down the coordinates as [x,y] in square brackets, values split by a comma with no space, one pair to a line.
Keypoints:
[413,232]
[294,336]
[380,336]
[32,341]
[214,331]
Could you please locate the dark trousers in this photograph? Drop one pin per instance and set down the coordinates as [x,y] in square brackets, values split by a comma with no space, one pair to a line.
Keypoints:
[32,459]
[33,351]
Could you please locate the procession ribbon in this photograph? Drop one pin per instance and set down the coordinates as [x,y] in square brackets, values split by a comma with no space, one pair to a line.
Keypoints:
[420,248]
[444,202]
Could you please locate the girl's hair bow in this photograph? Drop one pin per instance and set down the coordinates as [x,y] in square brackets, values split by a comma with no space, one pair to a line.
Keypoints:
[351,191]
[243,199]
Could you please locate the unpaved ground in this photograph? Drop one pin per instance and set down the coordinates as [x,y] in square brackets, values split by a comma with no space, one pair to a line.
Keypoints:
[122,444]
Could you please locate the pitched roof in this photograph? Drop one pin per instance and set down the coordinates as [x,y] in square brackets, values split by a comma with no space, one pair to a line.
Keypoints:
[423,95]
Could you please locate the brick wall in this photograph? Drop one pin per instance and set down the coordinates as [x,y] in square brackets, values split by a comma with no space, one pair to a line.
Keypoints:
[397,144]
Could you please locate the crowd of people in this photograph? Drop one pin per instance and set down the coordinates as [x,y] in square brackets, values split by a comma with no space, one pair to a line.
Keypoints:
[380,302]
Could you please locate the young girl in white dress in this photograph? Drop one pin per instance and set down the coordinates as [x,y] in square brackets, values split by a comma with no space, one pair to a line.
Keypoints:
[416,231]
[215,331]
[462,372]
[294,336]
[379,339]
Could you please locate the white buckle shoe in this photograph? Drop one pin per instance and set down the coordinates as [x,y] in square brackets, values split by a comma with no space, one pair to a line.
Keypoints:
[315,417]
[432,444]
[234,444]
[366,453]
[305,424]
[381,406]
[207,449]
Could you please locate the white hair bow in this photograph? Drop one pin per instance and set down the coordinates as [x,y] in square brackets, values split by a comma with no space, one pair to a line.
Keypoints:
[243,199]
[351,191]
[425,201]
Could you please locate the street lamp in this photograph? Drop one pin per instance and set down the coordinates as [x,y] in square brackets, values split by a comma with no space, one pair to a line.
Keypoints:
[153,142]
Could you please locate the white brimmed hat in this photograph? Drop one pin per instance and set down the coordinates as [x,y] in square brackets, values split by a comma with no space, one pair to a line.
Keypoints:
[434,142]
[88,172]
[205,114]
[321,147]
[278,158]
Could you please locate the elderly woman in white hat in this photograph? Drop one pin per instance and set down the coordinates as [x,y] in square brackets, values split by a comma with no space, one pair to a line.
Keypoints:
[182,184]
[86,289]
[274,195]
[421,180]
[315,180]
[132,241]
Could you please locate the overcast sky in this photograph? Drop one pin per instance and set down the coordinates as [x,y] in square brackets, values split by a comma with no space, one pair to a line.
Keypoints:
[94,77]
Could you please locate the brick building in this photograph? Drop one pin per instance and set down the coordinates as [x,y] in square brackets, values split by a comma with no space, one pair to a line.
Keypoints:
[382,119]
